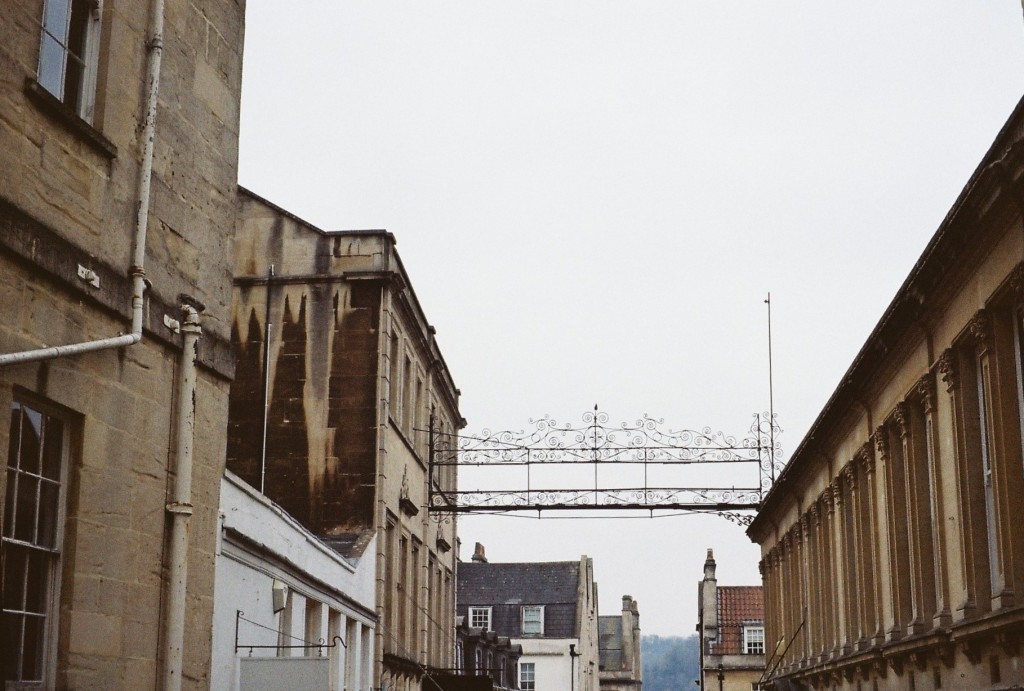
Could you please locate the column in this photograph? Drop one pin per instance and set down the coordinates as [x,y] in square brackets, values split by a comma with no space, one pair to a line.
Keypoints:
[950,371]
[896,528]
[940,580]
[870,557]
[842,557]
[854,588]
[353,655]
[336,655]
[915,488]
[830,591]
[816,618]
[805,586]
[366,652]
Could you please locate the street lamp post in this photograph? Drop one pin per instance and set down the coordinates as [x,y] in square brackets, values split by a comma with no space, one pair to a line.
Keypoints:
[572,666]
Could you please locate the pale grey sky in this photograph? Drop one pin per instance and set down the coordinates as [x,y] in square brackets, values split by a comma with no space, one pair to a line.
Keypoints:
[593,198]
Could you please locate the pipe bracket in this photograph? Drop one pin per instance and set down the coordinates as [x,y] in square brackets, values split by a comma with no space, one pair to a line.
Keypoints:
[180,508]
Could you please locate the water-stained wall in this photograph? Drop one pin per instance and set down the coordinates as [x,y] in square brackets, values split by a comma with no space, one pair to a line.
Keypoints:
[321,375]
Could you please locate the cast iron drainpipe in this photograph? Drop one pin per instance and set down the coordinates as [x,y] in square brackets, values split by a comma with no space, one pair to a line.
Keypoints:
[179,509]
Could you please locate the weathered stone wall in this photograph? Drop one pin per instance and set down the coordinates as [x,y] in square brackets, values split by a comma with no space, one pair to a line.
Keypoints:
[891,542]
[321,420]
[354,373]
[68,197]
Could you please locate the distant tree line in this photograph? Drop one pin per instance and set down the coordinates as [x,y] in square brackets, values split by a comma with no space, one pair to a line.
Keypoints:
[671,663]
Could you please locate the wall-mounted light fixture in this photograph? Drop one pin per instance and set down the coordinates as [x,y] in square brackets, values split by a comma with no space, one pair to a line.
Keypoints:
[280,593]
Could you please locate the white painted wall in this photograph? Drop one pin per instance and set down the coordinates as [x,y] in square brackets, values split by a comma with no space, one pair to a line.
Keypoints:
[260,543]
[551,657]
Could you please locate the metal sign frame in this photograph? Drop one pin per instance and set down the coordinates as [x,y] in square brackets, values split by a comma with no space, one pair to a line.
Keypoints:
[747,464]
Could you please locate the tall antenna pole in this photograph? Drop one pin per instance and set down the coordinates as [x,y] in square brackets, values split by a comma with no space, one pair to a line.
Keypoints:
[771,392]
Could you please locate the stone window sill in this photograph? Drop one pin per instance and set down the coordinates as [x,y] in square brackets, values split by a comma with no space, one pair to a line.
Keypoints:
[57,111]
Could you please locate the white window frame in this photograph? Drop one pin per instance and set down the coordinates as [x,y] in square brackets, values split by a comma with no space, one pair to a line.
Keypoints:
[527,675]
[12,537]
[539,609]
[480,614]
[55,51]
[750,640]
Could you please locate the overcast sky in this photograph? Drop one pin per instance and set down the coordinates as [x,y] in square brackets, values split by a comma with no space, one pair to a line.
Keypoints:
[594,198]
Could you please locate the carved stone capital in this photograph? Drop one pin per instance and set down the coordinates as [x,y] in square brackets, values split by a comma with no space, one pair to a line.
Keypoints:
[949,369]
[980,328]
[866,459]
[805,526]
[1017,281]
[902,417]
[849,475]
[816,514]
[881,438]
[925,388]
[826,499]
[837,491]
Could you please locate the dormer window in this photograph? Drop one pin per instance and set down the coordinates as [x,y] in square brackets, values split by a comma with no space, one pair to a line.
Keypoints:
[533,620]
[753,639]
[480,618]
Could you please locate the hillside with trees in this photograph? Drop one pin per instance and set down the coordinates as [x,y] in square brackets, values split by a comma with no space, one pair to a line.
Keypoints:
[671,663]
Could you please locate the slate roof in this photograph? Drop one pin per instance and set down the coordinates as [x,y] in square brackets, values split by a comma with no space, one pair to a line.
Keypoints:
[609,631]
[737,605]
[507,587]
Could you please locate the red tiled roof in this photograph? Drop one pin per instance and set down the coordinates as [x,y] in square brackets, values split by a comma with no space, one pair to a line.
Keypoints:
[737,605]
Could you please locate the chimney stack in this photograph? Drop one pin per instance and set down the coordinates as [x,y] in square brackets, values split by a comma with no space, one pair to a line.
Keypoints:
[478,554]
[709,566]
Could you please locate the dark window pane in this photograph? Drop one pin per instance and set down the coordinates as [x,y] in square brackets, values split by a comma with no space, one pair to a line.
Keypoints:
[74,67]
[12,489]
[14,577]
[11,624]
[79,27]
[31,435]
[53,446]
[37,585]
[15,436]
[49,496]
[25,511]
[32,655]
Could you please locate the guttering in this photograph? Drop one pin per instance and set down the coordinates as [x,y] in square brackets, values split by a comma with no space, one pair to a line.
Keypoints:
[137,271]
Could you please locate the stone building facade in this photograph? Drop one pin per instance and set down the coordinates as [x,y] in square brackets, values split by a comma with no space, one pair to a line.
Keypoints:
[331,422]
[549,608]
[118,167]
[730,624]
[480,654]
[892,544]
[620,666]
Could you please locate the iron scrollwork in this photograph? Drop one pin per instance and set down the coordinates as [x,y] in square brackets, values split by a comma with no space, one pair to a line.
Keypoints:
[750,463]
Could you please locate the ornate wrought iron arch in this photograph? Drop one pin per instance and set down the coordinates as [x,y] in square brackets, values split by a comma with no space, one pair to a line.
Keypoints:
[730,474]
